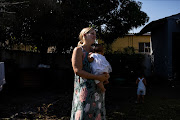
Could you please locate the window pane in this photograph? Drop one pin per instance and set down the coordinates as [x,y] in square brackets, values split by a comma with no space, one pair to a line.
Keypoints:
[141,47]
[147,44]
[147,49]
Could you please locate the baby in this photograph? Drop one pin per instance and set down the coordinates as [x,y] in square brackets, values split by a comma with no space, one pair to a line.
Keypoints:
[99,64]
[141,90]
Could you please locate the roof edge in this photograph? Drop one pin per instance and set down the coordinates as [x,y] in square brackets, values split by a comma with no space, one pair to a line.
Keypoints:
[154,24]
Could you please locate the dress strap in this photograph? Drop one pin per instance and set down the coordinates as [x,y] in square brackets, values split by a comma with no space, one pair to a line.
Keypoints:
[140,78]
[83,49]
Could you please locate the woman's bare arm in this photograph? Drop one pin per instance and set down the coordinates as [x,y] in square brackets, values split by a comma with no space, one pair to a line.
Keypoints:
[78,65]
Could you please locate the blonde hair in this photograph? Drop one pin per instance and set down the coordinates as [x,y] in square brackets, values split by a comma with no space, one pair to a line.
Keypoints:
[83,31]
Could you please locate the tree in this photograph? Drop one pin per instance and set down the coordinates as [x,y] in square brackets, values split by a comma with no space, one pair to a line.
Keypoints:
[118,22]
[58,22]
[8,22]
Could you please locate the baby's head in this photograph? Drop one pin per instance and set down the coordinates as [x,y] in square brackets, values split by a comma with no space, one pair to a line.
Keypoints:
[141,74]
[99,49]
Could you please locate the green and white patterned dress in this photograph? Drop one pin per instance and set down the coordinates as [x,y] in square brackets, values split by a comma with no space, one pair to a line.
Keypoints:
[88,100]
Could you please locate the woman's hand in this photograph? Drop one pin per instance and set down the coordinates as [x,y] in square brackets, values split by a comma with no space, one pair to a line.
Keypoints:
[106,82]
[107,74]
[103,77]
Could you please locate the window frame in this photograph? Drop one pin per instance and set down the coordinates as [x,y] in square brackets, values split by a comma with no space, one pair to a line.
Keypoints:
[146,48]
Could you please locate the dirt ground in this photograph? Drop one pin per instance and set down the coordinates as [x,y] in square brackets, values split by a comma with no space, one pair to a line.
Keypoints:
[161,102]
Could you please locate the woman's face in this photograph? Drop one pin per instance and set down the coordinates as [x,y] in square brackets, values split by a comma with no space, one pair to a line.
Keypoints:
[90,37]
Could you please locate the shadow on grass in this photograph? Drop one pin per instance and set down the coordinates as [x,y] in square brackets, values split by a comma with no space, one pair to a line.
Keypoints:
[53,105]
[153,109]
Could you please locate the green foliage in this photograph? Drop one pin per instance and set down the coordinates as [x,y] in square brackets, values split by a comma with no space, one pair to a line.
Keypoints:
[127,16]
[46,23]
[129,50]
[126,50]
[126,66]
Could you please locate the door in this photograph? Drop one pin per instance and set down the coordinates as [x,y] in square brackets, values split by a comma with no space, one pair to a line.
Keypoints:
[175,54]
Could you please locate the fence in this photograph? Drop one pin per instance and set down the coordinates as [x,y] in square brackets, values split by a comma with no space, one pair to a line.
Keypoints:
[22,69]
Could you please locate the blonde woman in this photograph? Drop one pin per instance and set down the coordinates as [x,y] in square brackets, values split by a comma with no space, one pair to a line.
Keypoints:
[88,101]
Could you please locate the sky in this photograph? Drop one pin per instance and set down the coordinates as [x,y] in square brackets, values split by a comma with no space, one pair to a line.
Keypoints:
[157,9]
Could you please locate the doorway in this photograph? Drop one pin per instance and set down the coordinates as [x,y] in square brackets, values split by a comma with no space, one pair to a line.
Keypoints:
[175,54]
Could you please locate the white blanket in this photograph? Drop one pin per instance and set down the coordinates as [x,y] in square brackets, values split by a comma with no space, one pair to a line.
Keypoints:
[99,65]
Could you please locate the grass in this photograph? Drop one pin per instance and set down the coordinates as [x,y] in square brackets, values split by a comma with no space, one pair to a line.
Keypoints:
[118,107]
[153,109]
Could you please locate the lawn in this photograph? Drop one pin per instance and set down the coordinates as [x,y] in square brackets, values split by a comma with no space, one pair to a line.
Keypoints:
[154,108]
[162,104]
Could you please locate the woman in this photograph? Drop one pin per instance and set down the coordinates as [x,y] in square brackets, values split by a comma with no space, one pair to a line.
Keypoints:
[88,100]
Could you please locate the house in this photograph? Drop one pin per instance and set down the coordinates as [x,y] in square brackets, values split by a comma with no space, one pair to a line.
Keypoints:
[165,34]
[141,43]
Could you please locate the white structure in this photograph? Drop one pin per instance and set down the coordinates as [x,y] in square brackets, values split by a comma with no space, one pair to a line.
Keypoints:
[2,75]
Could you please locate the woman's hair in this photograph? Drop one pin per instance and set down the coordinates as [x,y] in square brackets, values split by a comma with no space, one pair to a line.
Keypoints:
[83,31]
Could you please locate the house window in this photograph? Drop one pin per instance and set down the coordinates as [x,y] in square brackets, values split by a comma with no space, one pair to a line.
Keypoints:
[144,47]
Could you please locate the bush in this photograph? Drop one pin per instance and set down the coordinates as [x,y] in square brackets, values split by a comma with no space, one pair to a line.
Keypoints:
[125,65]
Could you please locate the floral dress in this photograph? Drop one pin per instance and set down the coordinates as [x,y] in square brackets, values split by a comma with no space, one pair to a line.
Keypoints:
[88,100]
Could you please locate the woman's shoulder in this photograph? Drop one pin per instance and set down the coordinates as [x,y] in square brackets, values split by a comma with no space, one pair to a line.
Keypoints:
[77,49]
